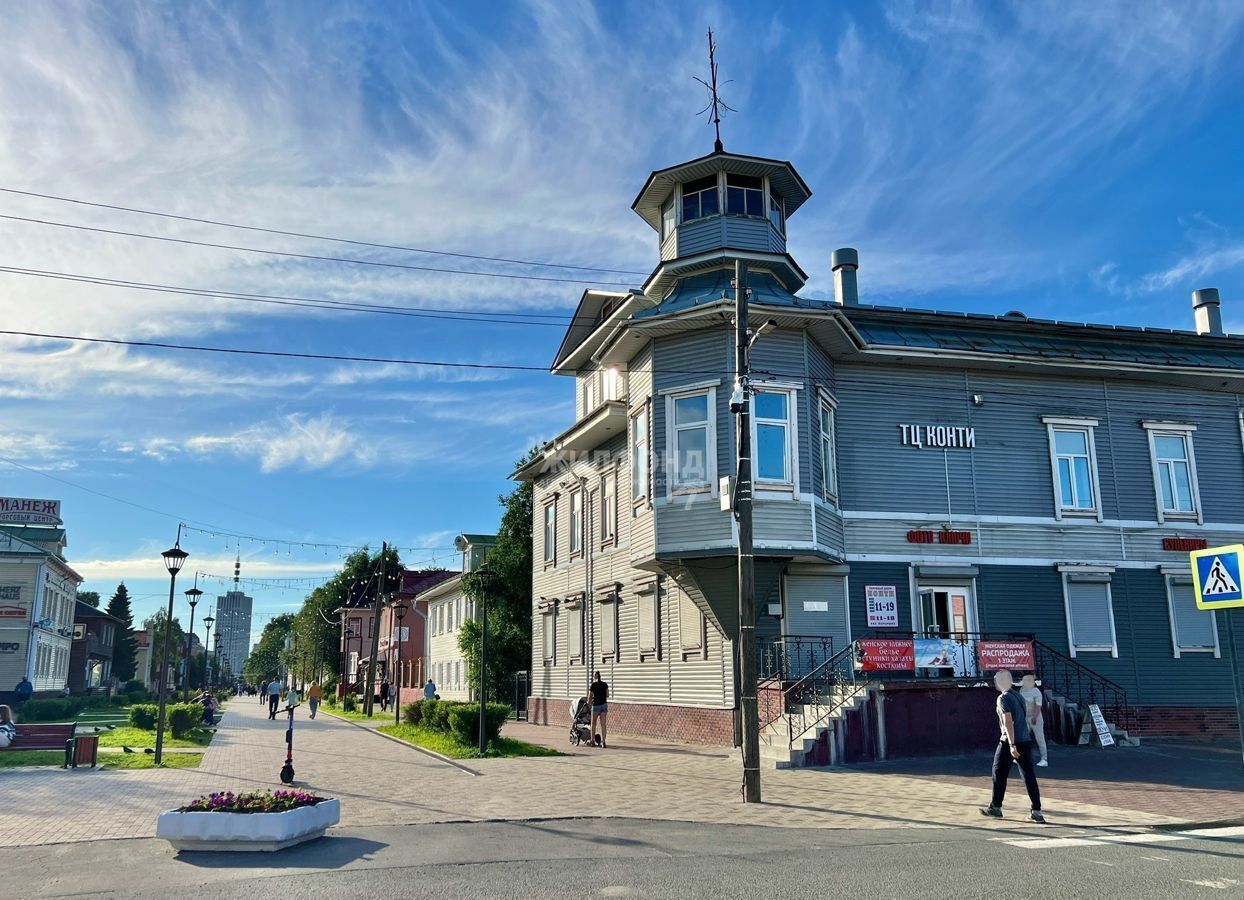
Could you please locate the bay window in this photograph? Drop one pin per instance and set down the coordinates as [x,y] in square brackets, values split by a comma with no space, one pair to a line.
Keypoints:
[692,439]
[745,196]
[700,198]
[773,426]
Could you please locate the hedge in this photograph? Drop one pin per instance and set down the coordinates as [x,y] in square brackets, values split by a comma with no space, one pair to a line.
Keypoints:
[183,718]
[457,719]
[51,709]
[144,715]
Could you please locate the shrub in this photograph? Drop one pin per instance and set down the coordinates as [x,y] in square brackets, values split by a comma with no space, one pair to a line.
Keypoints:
[349,703]
[438,717]
[183,717]
[52,709]
[144,715]
[134,685]
[331,700]
[412,713]
[464,722]
[117,700]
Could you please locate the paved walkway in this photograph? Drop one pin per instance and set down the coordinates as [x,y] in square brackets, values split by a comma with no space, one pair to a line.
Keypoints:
[382,782]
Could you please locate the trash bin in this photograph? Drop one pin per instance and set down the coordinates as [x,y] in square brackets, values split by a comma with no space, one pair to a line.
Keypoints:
[86,750]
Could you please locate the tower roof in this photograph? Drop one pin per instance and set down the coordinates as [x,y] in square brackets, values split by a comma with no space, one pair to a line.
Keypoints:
[782,175]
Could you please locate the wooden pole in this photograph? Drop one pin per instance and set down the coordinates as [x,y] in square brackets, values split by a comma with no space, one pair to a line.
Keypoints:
[748,708]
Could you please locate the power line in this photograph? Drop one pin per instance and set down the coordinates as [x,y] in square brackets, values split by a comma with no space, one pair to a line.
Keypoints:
[306,302]
[320,237]
[311,256]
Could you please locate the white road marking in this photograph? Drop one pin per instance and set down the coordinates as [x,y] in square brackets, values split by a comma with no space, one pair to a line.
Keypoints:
[1135,838]
[1221,883]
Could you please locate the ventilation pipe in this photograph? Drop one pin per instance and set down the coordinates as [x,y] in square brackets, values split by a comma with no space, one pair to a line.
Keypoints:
[1208,312]
[845,261]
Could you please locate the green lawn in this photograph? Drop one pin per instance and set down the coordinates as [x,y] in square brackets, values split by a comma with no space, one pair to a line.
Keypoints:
[446,745]
[359,715]
[127,736]
[11,759]
[147,761]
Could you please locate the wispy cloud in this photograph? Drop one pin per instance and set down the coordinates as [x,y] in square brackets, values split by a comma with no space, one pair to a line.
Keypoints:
[295,441]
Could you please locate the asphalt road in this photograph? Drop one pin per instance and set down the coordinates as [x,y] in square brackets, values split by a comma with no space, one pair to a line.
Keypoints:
[631,858]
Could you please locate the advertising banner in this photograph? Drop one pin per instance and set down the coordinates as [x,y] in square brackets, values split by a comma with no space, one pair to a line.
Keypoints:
[24,511]
[1013,655]
[935,653]
[885,654]
[882,602]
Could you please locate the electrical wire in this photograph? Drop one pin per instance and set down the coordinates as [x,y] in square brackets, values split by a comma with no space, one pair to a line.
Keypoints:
[311,256]
[319,237]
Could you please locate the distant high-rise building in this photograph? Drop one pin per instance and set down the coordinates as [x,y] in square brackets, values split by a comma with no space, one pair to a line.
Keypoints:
[233,618]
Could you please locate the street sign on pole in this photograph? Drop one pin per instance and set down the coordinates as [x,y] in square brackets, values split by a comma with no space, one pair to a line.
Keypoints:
[1216,580]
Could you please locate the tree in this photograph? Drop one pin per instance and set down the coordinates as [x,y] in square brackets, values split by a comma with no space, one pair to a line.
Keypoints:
[264,662]
[154,624]
[123,651]
[508,596]
[90,598]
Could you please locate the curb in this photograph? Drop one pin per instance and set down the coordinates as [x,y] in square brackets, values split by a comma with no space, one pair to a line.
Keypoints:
[424,750]
[1199,826]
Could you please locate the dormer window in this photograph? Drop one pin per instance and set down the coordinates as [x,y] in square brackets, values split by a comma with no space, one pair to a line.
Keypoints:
[745,196]
[699,198]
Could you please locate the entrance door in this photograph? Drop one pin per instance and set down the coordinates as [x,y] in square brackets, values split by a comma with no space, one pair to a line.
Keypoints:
[814,621]
[946,613]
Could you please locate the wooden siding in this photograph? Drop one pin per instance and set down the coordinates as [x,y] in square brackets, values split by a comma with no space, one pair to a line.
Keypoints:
[720,232]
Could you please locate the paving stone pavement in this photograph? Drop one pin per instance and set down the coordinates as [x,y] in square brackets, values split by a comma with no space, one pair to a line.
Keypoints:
[380,781]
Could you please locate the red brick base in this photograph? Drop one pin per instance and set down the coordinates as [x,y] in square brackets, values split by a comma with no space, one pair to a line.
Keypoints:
[1215,723]
[690,724]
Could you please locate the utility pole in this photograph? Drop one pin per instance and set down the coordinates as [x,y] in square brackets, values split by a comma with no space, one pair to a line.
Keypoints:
[748,711]
[368,701]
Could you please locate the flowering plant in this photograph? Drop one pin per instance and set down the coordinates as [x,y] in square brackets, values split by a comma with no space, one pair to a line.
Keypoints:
[251,802]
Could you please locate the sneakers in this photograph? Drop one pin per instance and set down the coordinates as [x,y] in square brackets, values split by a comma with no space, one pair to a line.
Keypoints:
[1043,763]
[1036,816]
[991,811]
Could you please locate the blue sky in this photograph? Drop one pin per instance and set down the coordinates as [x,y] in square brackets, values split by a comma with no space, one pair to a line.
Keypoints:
[1077,161]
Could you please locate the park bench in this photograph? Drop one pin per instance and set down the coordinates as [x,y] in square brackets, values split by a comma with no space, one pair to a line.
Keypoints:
[79,750]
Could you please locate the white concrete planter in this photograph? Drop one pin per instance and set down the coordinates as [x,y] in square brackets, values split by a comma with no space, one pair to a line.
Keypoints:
[247,831]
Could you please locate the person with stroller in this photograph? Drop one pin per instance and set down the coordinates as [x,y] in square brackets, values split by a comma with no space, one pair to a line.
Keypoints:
[599,692]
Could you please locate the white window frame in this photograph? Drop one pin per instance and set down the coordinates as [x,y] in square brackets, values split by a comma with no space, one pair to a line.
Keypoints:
[609,507]
[640,457]
[549,636]
[1183,431]
[646,596]
[770,196]
[1106,576]
[829,447]
[708,486]
[550,533]
[1185,577]
[576,523]
[791,424]
[669,223]
[1054,424]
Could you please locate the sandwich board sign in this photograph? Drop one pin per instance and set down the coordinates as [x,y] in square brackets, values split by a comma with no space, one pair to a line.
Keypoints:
[1216,577]
[1100,727]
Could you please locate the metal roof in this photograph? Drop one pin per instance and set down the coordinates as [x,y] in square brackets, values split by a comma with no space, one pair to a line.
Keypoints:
[710,287]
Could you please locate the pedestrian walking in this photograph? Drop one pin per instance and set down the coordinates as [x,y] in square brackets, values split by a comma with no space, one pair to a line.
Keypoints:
[315,694]
[429,690]
[384,695]
[291,696]
[8,726]
[23,690]
[1014,746]
[1036,719]
[263,692]
[274,697]
[599,691]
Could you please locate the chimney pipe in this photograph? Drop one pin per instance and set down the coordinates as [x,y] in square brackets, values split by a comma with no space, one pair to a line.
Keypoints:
[845,261]
[1208,313]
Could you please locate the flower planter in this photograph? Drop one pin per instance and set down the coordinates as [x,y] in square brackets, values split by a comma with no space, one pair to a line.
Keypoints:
[247,831]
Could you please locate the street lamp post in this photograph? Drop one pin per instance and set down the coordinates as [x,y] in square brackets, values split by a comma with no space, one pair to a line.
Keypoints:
[399,610]
[207,652]
[174,559]
[483,580]
[192,596]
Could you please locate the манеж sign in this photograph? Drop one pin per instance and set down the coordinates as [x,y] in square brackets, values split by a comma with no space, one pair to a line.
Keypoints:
[25,511]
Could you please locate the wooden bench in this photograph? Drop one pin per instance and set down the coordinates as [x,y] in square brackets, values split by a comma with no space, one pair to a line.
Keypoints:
[57,736]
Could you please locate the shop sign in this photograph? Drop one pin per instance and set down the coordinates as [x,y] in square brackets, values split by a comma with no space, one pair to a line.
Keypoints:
[882,602]
[23,511]
[9,646]
[934,653]
[10,592]
[1100,726]
[12,611]
[945,536]
[886,654]
[938,436]
[1184,545]
[1013,655]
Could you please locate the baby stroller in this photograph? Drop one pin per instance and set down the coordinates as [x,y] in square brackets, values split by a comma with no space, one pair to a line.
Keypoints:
[580,721]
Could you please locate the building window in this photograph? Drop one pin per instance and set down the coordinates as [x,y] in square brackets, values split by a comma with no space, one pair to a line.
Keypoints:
[613,382]
[1090,613]
[608,508]
[745,196]
[1193,630]
[692,440]
[700,198]
[639,455]
[609,628]
[550,534]
[772,417]
[690,624]
[829,453]
[1073,464]
[549,628]
[1174,470]
[576,523]
[777,212]
[669,216]
[649,630]
[574,633]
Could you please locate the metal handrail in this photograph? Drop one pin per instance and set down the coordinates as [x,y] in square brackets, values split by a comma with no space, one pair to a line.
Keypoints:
[813,695]
[1083,686]
[789,657]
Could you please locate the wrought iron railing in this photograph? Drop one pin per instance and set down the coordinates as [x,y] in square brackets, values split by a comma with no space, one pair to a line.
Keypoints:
[815,697]
[792,656]
[1081,685]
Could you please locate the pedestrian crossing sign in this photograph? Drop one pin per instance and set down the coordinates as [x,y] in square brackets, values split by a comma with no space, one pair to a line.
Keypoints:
[1216,577]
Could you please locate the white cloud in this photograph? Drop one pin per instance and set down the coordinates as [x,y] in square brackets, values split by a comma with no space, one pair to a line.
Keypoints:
[295,441]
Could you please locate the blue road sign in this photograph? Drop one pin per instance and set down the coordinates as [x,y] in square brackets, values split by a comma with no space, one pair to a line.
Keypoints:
[1216,577]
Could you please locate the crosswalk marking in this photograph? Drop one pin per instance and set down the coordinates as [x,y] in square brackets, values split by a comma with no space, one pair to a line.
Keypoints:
[1109,839]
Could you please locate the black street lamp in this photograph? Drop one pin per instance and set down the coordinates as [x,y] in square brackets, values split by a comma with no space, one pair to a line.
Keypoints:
[192,596]
[399,609]
[207,652]
[483,578]
[174,559]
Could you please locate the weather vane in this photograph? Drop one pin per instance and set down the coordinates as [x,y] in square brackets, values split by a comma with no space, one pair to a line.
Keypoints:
[715,103]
